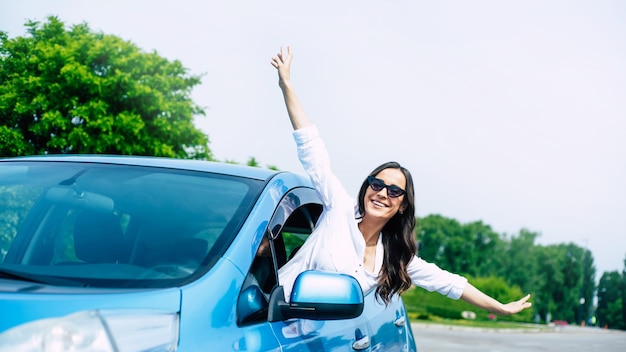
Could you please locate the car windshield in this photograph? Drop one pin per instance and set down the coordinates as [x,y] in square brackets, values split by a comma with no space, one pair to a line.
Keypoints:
[118,226]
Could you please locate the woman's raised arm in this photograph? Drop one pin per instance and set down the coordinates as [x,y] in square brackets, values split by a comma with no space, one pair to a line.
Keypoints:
[282,62]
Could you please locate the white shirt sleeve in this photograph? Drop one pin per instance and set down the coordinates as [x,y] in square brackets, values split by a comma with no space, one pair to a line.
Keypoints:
[432,278]
[314,158]
[331,246]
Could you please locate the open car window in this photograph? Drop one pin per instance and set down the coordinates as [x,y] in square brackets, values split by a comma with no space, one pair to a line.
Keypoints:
[275,250]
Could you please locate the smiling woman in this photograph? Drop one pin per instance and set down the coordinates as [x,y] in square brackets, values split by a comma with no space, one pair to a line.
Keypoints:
[376,243]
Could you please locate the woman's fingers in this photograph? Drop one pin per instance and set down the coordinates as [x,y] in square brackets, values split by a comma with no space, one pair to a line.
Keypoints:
[281,58]
[285,57]
[522,304]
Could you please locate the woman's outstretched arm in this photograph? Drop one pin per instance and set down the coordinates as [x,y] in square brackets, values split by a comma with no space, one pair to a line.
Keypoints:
[474,296]
[282,62]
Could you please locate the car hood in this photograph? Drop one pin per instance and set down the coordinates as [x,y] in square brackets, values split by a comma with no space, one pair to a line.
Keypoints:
[22,302]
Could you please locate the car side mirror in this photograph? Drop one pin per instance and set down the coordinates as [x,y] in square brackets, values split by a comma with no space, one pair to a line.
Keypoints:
[318,295]
[251,304]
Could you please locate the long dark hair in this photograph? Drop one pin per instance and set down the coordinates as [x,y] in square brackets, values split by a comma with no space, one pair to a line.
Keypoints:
[398,238]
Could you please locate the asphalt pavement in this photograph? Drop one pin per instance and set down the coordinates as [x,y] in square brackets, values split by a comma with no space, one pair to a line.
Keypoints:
[447,338]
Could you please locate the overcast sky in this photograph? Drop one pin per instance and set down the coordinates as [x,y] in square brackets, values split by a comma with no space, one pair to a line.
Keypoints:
[509,112]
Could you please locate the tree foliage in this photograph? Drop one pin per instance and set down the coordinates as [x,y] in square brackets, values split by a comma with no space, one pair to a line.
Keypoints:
[76,91]
[517,258]
[612,299]
[561,278]
[469,248]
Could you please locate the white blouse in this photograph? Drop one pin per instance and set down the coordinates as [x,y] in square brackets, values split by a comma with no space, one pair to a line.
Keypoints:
[337,244]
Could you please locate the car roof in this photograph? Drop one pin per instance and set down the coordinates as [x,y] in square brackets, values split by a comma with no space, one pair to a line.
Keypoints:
[170,163]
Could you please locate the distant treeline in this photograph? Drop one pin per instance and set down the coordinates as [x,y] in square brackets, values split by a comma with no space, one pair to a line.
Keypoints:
[560,277]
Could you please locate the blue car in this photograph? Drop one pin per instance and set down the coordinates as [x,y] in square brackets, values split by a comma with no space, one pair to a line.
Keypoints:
[106,253]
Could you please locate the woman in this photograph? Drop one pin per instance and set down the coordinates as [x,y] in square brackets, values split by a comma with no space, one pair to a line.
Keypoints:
[374,240]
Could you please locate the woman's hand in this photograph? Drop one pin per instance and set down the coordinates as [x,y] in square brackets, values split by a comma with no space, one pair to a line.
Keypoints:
[516,306]
[474,296]
[282,62]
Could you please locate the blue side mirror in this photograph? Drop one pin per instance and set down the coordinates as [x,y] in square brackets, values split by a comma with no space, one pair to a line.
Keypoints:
[318,295]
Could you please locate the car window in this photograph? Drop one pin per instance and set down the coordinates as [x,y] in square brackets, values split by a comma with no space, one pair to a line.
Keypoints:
[262,274]
[297,228]
[109,225]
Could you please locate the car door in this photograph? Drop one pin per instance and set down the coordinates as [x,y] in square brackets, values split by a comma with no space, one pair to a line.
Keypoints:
[293,221]
[388,324]
[314,335]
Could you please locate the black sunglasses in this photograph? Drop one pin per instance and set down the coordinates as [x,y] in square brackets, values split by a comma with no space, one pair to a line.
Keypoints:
[377,185]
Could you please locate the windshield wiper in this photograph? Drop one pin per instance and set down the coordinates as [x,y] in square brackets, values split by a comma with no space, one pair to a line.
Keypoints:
[45,280]
[19,276]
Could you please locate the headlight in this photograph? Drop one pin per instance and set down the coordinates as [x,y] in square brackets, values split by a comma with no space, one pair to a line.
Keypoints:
[101,331]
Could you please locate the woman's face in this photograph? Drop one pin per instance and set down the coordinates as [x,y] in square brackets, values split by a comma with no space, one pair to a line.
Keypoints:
[380,204]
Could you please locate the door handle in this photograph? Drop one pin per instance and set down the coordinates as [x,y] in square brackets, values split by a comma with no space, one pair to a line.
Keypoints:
[400,319]
[400,322]
[361,341]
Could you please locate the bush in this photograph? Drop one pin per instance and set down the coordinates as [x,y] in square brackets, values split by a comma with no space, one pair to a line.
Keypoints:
[422,303]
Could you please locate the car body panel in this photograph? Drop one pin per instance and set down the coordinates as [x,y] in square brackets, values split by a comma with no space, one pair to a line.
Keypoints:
[27,301]
[311,335]
[388,331]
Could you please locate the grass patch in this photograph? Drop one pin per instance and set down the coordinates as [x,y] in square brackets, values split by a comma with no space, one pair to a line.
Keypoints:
[415,318]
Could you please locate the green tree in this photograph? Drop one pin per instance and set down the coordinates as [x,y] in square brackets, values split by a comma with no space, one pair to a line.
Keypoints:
[560,282]
[482,250]
[461,248]
[588,289]
[252,162]
[517,260]
[549,283]
[561,277]
[434,233]
[623,289]
[610,301]
[76,91]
